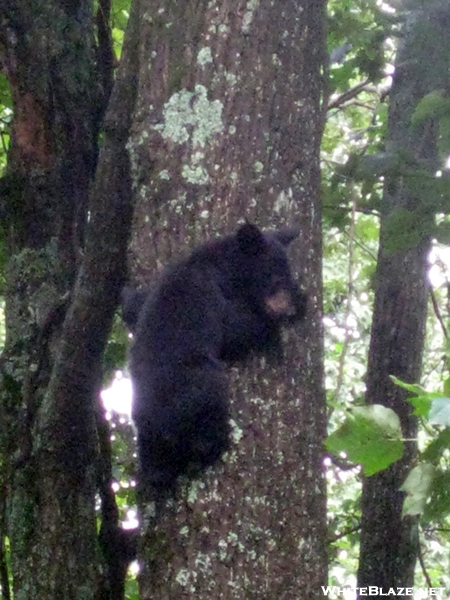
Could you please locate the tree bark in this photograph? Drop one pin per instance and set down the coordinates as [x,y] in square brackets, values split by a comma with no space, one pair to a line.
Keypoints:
[66,266]
[227,126]
[389,544]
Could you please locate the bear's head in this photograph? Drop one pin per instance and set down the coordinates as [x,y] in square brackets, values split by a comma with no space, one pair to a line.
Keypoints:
[262,272]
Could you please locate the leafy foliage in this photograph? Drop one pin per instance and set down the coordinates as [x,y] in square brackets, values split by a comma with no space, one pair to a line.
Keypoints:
[370,436]
[427,489]
[417,487]
[355,166]
[5,119]
[434,105]
[367,26]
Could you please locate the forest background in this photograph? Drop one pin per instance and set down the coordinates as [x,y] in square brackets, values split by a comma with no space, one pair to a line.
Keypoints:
[386,278]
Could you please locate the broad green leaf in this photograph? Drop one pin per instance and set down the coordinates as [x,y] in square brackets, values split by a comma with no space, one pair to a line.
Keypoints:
[434,450]
[432,106]
[438,503]
[422,405]
[417,487]
[414,388]
[421,399]
[440,411]
[370,436]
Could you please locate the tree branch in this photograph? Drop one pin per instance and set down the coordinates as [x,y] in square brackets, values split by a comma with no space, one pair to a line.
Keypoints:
[75,376]
[437,312]
[348,95]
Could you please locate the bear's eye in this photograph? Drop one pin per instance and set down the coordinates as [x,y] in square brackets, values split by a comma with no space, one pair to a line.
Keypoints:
[276,283]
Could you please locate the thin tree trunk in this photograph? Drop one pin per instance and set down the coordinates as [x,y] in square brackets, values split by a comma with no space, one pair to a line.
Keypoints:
[389,543]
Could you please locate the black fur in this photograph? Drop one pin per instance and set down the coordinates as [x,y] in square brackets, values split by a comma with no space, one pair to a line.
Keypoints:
[132,302]
[227,300]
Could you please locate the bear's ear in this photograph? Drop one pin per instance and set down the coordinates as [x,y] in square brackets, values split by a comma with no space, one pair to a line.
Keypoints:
[286,235]
[250,239]
[132,302]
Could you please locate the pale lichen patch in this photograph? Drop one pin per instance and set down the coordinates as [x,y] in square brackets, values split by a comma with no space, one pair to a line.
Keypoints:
[204,56]
[236,432]
[184,578]
[248,16]
[195,174]
[284,201]
[191,116]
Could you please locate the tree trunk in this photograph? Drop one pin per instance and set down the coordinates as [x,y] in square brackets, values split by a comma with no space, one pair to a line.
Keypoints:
[66,266]
[389,543]
[227,126]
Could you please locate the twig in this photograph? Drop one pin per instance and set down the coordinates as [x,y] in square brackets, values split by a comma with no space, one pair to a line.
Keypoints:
[363,211]
[348,95]
[363,247]
[341,464]
[437,312]
[4,579]
[347,338]
[339,536]
[422,566]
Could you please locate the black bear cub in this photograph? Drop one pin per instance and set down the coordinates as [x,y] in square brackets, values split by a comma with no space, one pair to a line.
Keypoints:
[228,299]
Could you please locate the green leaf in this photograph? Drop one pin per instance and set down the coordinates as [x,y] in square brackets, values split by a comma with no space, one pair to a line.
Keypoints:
[422,405]
[417,487]
[434,406]
[370,436]
[446,386]
[432,106]
[5,92]
[438,504]
[431,191]
[440,411]
[404,228]
[435,449]
[414,388]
